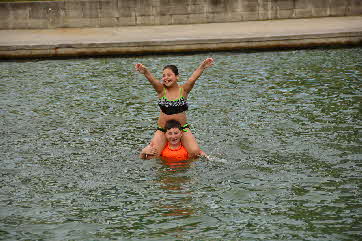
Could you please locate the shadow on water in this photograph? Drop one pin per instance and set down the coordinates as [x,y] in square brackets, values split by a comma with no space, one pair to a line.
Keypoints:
[282,130]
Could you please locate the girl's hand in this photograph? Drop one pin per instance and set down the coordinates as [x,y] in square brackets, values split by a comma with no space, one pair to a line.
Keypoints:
[140,68]
[207,63]
[150,150]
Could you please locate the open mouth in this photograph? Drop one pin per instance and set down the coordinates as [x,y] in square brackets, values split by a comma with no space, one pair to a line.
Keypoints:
[174,140]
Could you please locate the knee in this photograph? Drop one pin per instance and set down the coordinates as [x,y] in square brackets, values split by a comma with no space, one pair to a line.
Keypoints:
[194,152]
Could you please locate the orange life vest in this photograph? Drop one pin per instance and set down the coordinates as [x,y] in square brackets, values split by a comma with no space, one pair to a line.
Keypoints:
[179,154]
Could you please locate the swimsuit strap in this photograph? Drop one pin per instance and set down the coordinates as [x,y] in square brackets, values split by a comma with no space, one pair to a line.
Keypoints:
[161,129]
[164,92]
[182,128]
[185,127]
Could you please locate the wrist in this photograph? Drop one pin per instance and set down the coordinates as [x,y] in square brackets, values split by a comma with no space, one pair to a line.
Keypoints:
[202,68]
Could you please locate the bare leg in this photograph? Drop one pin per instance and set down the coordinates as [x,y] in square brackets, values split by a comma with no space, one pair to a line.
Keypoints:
[189,142]
[158,142]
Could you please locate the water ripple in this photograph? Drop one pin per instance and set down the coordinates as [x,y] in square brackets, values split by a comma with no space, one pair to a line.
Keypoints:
[282,130]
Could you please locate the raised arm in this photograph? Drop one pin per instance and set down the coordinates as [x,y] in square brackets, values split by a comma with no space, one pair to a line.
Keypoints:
[154,82]
[197,73]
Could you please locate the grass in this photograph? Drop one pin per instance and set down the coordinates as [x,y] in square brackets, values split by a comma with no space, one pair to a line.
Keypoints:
[3,1]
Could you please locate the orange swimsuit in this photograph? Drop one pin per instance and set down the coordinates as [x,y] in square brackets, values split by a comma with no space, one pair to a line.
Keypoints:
[179,154]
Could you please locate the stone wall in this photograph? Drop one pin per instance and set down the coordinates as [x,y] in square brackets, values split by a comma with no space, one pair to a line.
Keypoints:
[111,13]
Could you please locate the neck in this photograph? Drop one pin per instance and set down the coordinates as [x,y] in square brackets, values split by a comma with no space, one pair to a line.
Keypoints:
[174,86]
[174,146]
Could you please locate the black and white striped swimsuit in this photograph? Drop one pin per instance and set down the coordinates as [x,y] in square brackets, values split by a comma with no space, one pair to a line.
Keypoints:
[170,107]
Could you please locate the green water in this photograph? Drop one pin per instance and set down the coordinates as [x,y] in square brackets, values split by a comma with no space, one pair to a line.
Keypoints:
[283,130]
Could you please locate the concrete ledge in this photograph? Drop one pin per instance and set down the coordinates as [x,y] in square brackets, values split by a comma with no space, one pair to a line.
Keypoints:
[256,35]
[154,47]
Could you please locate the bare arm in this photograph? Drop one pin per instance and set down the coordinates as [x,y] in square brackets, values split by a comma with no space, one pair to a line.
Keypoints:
[197,73]
[154,82]
[149,152]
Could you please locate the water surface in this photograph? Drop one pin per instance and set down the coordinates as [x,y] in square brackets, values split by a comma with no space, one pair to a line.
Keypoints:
[283,130]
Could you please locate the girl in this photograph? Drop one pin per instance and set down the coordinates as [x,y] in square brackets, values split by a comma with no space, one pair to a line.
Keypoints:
[173,104]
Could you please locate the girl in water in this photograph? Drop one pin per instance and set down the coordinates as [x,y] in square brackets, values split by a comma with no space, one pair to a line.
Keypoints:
[173,104]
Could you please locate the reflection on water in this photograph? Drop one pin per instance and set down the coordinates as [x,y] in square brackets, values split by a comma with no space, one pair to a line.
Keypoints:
[175,183]
[282,129]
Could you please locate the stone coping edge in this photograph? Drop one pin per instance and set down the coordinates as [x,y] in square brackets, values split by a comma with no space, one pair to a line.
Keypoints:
[179,45]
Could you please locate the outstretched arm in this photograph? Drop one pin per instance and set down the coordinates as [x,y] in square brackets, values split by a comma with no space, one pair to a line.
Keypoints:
[197,73]
[154,82]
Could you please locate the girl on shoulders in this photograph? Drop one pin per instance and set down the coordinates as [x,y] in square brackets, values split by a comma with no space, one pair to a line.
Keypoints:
[173,104]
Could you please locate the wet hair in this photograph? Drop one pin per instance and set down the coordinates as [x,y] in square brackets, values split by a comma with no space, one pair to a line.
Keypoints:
[172,67]
[172,124]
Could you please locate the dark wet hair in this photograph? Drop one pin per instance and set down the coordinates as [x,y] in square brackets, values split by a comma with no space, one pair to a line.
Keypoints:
[172,67]
[172,124]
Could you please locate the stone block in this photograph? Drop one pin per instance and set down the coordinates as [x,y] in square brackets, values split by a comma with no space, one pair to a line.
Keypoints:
[354,11]
[303,4]
[265,5]
[90,9]
[249,6]
[144,11]
[38,23]
[215,6]
[249,16]
[4,25]
[232,17]
[108,9]
[73,13]
[335,4]
[196,9]
[174,9]
[145,20]
[73,9]
[320,12]
[144,3]
[108,22]
[286,4]
[126,12]
[322,3]
[180,19]
[20,10]
[127,3]
[156,3]
[303,13]
[215,18]
[81,22]
[232,6]
[4,11]
[40,10]
[356,4]
[165,20]
[285,14]
[265,15]
[197,18]
[338,11]
[19,23]
[126,21]
[56,18]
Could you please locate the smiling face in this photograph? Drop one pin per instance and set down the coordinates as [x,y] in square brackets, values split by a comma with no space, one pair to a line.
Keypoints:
[169,78]
[173,136]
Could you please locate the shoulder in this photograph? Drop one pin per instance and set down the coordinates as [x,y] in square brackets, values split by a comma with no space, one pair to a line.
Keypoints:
[161,92]
[184,90]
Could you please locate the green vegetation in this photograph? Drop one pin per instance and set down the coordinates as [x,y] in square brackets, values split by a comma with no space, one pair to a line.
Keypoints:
[1,1]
